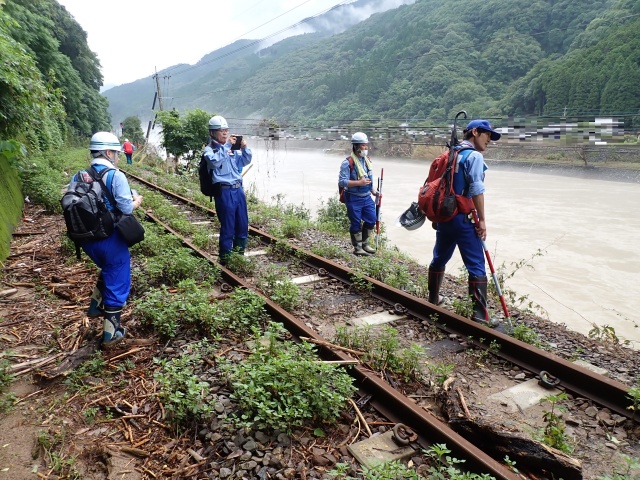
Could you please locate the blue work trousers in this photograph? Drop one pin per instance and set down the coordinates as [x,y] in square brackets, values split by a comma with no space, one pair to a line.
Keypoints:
[360,210]
[231,208]
[113,258]
[461,232]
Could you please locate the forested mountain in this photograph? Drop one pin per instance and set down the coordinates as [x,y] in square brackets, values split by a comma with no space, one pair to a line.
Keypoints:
[49,78]
[428,60]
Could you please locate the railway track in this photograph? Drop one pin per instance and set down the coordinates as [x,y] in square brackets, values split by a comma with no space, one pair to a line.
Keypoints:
[398,408]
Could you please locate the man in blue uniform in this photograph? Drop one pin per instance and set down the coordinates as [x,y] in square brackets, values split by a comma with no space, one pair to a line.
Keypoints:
[112,253]
[356,178]
[468,181]
[225,166]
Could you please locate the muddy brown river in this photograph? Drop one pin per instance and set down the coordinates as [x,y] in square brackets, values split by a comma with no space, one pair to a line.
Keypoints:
[586,229]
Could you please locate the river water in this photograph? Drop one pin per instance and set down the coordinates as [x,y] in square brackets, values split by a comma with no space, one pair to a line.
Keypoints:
[587,230]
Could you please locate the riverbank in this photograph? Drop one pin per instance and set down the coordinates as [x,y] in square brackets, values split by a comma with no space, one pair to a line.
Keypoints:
[619,163]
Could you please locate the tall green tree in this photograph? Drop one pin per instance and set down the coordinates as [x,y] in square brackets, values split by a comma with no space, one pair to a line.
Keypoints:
[132,129]
[49,34]
[31,110]
[184,136]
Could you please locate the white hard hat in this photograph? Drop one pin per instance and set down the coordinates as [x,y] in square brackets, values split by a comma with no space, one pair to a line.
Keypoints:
[412,218]
[359,137]
[102,141]
[126,139]
[217,122]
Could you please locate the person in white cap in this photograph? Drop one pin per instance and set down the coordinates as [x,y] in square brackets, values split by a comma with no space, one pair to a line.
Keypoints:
[356,182]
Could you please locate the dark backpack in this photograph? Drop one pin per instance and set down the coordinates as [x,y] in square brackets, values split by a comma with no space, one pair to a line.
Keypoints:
[341,189]
[85,210]
[436,198]
[206,179]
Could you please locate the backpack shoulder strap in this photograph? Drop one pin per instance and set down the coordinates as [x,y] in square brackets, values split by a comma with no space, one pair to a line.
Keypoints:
[107,191]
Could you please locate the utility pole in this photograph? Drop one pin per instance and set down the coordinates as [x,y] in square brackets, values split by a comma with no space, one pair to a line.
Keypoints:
[158,96]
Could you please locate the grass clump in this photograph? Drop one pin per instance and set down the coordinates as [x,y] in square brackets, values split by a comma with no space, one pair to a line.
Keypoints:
[332,217]
[276,284]
[382,350]
[178,264]
[184,396]
[6,398]
[282,385]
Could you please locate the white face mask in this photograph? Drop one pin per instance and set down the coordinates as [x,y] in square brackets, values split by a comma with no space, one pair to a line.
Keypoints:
[364,153]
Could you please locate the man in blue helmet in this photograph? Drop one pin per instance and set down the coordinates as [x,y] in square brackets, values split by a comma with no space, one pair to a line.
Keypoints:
[112,253]
[468,181]
[356,178]
[225,167]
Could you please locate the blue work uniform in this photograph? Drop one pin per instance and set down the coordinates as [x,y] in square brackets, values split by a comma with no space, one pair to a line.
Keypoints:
[361,208]
[225,166]
[468,180]
[111,254]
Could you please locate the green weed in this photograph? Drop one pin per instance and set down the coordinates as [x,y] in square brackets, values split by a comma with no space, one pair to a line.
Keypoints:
[625,470]
[554,431]
[184,396]
[282,385]
[382,350]
[276,284]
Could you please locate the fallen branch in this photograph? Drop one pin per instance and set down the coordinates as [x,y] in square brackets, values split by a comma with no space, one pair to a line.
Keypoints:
[361,417]
[332,345]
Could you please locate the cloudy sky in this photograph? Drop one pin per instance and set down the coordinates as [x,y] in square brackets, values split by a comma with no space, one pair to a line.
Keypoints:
[133,38]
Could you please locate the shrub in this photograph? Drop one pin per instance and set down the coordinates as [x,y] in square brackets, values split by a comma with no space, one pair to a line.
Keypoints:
[282,385]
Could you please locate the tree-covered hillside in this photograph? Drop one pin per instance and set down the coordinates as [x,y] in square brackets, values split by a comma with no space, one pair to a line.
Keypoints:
[49,78]
[435,57]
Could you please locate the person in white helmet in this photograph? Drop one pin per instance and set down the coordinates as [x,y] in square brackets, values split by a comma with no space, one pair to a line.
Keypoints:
[225,167]
[112,253]
[356,178]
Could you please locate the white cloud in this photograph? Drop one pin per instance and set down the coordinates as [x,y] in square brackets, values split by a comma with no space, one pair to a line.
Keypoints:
[133,38]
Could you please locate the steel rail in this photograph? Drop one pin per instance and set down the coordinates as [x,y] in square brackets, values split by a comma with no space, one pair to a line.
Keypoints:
[575,378]
[398,407]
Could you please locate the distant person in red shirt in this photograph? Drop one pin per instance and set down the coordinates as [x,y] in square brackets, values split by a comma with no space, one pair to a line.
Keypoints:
[127,147]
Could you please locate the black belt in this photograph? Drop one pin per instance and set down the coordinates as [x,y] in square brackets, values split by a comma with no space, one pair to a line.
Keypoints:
[225,186]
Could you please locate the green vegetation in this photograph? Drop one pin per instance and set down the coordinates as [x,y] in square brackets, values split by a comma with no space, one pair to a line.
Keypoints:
[628,466]
[49,78]
[192,306]
[634,396]
[83,377]
[53,445]
[442,466]
[282,385]
[184,396]
[382,350]
[275,282]
[533,58]
[6,398]
[554,433]
[10,193]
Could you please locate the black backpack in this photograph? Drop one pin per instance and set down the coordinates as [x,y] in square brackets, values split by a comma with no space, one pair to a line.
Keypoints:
[206,179]
[85,210]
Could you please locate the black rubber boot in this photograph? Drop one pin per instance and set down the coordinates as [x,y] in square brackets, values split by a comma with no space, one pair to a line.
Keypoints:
[112,332]
[478,293]
[96,308]
[434,282]
[367,233]
[356,241]
[239,245]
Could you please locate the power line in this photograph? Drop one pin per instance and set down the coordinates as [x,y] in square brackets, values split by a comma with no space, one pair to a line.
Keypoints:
[398,60]
[254,42]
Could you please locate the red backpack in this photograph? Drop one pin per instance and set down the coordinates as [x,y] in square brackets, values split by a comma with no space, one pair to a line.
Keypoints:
[128,147]
[436,198]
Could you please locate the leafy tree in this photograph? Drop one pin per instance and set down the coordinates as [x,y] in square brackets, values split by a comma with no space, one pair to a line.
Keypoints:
[184,136]
[132,129]
[35,28]
[30,110]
